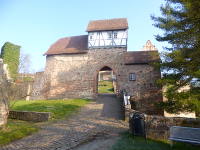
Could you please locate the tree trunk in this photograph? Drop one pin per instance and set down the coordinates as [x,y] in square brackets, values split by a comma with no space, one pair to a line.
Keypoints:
[3,113]
[4,84]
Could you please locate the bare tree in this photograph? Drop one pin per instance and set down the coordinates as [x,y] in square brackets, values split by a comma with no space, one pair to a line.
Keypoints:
[24,63]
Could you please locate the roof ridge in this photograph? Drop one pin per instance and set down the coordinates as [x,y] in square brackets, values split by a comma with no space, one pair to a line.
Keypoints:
[107,24]
[73,36]
[108,19]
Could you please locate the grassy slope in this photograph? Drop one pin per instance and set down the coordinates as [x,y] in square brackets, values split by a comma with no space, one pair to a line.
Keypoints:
[128,142]
[16,130]
[105,87]
[59,108]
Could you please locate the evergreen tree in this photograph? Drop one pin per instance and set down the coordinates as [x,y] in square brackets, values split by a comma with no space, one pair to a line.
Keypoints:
[180,22]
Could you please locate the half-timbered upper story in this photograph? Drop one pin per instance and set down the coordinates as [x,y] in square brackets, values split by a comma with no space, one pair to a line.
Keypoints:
[107,33]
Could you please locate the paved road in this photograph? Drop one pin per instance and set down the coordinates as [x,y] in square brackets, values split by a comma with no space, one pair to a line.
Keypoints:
[98,119]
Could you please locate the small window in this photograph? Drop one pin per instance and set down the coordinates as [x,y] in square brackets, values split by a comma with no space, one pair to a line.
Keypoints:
[132,77]
[115,35]
[110,35]
[91,36]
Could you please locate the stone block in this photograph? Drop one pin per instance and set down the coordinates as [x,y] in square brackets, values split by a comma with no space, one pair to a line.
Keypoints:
[30,116]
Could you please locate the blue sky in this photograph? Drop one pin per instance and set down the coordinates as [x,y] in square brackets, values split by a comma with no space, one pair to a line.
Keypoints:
[36,24]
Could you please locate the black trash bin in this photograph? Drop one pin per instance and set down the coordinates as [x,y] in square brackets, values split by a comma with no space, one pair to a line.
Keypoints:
[137,124]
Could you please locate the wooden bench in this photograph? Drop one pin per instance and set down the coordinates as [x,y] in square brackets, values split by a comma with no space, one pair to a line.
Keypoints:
[184,134]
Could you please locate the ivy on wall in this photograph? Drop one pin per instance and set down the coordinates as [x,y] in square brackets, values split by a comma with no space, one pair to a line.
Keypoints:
[10,54]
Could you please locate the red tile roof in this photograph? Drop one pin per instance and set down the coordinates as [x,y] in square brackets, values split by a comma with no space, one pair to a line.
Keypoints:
[111,24]
[141,57]
[69,45]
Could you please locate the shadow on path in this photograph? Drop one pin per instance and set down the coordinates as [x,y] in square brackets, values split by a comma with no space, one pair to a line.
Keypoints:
[112,106]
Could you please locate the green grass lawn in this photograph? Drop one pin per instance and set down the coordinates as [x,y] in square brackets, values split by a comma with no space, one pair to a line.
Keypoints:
[15,130]
[128,142]
[105,87]
[58,108]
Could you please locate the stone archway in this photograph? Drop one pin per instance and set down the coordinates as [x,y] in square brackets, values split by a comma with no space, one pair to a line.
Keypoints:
[106,81]
[112,105]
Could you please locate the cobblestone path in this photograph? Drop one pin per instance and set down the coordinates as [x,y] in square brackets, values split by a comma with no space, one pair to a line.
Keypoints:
[100,118]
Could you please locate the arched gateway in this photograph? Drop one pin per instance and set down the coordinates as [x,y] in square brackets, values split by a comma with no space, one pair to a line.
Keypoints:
[73,64]
[106,81]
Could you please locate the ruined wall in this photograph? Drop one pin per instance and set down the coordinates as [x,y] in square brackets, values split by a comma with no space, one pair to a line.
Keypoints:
[38,86]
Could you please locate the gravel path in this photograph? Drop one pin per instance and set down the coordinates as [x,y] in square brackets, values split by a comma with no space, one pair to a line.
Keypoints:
[99,121]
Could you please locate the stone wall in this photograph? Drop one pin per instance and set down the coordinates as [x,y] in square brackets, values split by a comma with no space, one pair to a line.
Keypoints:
[157,127]
[3,99]
[30,116]
[76,76]
[83,68]
[22,90]
[143,91]
[37,90]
